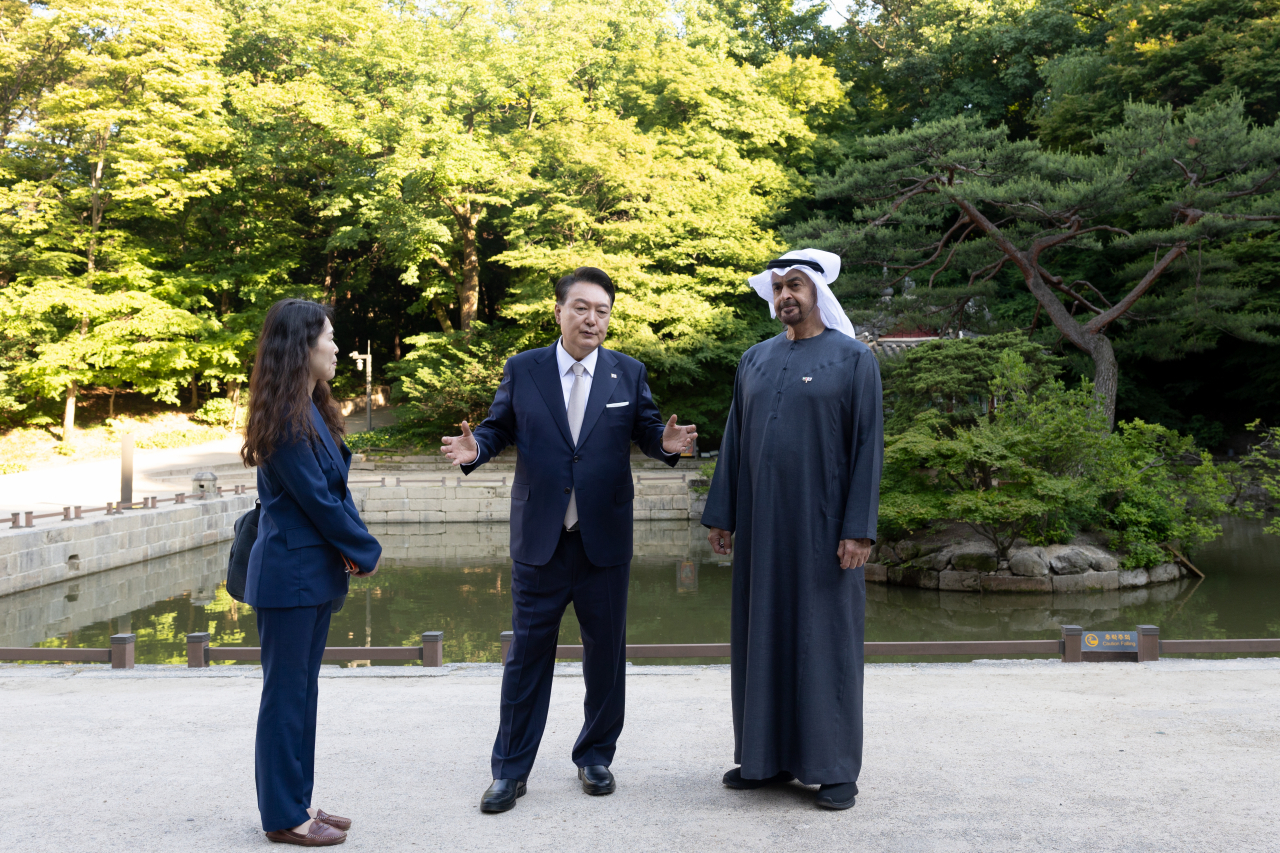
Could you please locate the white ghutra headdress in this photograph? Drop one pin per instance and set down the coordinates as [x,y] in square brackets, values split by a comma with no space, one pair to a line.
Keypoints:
[822,268]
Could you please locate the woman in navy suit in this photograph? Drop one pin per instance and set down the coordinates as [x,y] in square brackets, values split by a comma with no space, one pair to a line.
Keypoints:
[310,539]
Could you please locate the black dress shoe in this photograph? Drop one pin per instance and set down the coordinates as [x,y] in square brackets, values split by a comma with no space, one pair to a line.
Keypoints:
[735,779]
[501,795]
[596,779]
[838,796]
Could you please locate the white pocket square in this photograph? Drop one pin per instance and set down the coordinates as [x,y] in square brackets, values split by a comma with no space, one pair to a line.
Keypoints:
[617,405]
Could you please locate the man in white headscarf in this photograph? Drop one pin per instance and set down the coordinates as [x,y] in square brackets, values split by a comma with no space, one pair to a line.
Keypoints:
[795,498]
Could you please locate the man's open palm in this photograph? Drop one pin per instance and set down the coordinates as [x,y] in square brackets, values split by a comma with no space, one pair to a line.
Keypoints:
[460,449]
[677,438]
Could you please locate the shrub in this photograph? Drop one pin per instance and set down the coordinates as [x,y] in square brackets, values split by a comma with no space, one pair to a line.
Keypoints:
[1043,466]
[1031,469]
[453,377]
[954,377]
[217,411]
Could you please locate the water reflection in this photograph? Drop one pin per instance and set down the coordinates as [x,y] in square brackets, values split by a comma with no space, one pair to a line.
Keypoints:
[456,579]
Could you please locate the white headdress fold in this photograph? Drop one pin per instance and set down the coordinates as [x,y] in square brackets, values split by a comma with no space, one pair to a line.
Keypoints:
[821,268]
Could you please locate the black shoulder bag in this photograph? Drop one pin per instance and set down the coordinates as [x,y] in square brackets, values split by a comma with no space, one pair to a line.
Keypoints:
[245,534]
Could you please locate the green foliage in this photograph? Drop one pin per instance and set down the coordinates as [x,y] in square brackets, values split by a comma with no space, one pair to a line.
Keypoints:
[180,438]
[1261,470]
[216,411]
[1043,466]
[452,378]
[706,472]
[430,169]
[1161,489]
[954,377]
[1033,469]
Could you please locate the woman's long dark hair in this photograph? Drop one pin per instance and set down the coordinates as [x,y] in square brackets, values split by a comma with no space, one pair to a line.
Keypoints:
[279,409]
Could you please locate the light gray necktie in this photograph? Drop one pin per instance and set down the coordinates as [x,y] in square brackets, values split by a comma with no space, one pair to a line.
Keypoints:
[577,408]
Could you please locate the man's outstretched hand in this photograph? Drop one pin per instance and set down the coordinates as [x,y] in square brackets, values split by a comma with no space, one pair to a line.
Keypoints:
[676,439]
[461,449]
[721,540]
[854,553]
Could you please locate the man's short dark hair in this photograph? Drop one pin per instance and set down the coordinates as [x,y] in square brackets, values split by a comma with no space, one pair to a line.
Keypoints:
[591,275]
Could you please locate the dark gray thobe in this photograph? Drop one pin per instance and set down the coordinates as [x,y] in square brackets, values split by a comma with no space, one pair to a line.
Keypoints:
[799,470]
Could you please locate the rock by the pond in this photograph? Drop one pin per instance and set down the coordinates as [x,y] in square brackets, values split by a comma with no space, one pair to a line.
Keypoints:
[959,581]
[912,576]
[1029,563]
[973,557]
[1086,581]
[1163,572]
[1068,559]
[1134,577]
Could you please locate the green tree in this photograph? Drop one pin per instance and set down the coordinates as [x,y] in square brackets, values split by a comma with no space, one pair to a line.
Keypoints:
[98,155]
[961,203]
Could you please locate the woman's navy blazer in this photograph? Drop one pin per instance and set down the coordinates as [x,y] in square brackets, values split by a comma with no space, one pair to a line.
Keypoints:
[308,522]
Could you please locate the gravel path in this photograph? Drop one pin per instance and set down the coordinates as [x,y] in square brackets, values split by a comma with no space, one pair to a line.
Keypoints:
[990,756]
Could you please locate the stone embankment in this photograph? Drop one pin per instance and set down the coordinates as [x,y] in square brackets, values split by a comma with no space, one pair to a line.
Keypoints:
[953,560]
[55,552]
[60,551]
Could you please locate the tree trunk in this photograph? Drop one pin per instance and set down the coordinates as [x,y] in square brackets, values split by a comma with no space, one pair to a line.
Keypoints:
[469,288]
[95,205]
[1089,338]
[234,387]
[442,316]
[195,397]
[69,412]
[111,406]
[1106,375]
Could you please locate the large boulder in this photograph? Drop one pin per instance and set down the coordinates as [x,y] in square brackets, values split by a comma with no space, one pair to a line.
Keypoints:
[1134,577]
[974,557]
[1163,573]
[1100,560]
[1029,563]
[1068,559]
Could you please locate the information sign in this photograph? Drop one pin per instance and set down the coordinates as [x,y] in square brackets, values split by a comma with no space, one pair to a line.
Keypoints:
[1110,641]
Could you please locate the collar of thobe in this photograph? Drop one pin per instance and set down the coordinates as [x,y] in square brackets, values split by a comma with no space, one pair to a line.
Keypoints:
[821,268]
[565,361]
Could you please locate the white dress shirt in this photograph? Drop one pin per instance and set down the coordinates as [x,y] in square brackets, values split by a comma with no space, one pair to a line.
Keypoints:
[565,363]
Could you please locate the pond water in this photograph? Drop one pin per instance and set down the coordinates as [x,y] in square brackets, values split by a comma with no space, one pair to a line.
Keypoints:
[456,578]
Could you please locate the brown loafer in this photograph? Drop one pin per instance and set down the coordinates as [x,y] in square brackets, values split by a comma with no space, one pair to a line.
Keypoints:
[318,835]
[343,823]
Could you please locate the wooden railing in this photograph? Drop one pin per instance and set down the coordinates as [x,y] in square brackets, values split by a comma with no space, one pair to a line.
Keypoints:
[430,652]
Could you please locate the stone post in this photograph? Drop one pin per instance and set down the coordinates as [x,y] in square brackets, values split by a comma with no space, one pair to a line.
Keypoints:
[198,650]
[122,650]
[1071,644]
[1148,643]
[433,648]
[507,637]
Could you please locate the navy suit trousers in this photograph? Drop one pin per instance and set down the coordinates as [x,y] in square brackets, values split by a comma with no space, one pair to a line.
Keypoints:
[293,640]
[540,595]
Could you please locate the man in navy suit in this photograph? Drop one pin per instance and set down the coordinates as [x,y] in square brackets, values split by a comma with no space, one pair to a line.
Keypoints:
[572,410]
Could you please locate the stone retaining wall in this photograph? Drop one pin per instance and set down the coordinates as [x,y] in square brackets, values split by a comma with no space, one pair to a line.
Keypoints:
[60,551]
[416,504]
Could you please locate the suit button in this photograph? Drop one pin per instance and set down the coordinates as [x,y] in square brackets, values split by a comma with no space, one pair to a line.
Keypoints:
[576,458]
[567,490]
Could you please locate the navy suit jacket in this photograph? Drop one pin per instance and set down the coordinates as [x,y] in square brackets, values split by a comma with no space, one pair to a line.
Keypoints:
[529,412]
[308,522]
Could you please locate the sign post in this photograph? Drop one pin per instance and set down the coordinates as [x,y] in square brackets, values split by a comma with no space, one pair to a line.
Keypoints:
[126,470]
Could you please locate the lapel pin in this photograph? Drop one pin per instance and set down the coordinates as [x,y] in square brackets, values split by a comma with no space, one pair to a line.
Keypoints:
[806,378]
[613,376]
